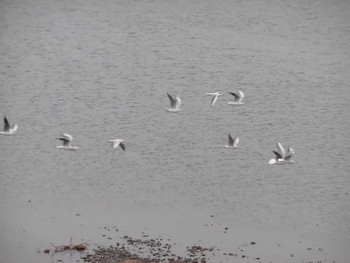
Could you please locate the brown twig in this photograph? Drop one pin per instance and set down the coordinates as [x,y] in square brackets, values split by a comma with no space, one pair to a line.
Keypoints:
[79,247]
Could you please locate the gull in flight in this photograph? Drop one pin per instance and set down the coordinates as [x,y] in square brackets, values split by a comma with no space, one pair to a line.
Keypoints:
[174,103]
[66,138]
[281,156]
[8,130]
[237,98]
[215,96]
[118,142]
[232,143]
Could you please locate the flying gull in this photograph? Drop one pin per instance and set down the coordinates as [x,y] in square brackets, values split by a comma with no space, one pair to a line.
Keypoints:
[281,156]
[232,143]
[215,96]
[118,142]
[8,130]
[66,139]
[237,98]
[175,103]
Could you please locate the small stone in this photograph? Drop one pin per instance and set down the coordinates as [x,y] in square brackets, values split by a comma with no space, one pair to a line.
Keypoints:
[46,250]
[252,243]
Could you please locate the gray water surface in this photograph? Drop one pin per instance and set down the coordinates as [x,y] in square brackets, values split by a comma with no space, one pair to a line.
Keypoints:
[100,70]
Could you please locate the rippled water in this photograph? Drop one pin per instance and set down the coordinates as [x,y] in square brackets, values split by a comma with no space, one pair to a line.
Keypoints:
[100,70]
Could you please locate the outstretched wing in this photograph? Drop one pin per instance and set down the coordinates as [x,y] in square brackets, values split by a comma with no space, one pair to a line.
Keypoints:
[236,142]
[67,136]
[241,94]
[230,140]
[121,145]
[215,98]
[14,128]
[6,124]
[178,102]
[172,101]
[278,156]
[236,97]
[281,150]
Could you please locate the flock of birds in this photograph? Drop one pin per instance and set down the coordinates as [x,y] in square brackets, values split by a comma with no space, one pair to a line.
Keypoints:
[281,155]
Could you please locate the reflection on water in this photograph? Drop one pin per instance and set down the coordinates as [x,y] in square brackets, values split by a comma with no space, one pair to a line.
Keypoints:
[101,70]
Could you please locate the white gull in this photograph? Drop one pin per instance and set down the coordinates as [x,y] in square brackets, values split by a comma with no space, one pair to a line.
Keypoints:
[237,98]
[174,103]
[118,142]
[232,143]
[281,156]
[215,96]
[8,130]
[66,139]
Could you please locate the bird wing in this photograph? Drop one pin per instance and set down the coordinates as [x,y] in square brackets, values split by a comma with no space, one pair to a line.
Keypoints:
[6,124]
[122,145]
[281,150]
[67,136]
[241,94]
[178,102]
[230,140]
[172,101]
[214,99]
[236,141]
[234,95]
[278,156]
[14,128]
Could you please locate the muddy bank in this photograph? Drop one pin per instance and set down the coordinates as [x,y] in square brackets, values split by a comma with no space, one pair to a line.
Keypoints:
[160,251]
[146,249]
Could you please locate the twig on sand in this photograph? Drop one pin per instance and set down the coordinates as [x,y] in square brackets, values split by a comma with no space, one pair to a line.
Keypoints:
[79,247]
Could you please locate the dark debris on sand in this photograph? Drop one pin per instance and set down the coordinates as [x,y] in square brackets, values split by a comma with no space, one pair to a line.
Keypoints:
[144,251]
